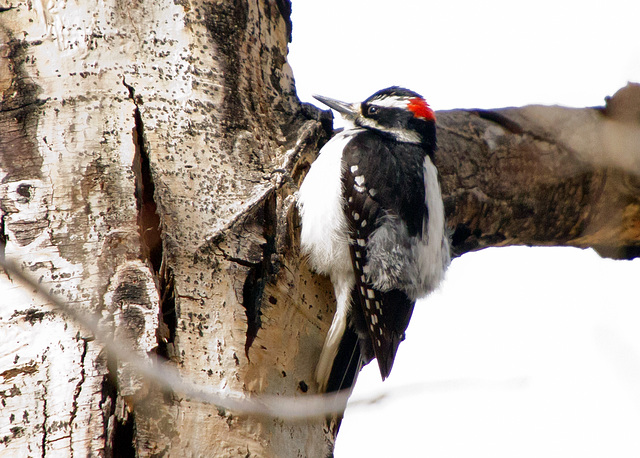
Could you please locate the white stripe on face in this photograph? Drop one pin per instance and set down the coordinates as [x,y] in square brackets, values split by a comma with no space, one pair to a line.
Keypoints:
[391,102]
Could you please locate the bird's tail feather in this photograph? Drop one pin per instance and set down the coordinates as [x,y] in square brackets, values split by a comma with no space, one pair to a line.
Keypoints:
[347,363]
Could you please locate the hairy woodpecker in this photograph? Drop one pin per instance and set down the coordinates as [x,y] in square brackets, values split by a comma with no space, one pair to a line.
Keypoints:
[373,220]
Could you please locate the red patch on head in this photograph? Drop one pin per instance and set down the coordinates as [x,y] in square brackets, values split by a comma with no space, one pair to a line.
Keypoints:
[421,109]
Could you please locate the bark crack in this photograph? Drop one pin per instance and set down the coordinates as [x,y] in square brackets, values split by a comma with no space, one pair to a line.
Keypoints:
[76,394]
[118,422]
[150,229]
[237,260]
[257,254]
[45,417]
[168,322]
[3,240]
[148,218]
[260,274]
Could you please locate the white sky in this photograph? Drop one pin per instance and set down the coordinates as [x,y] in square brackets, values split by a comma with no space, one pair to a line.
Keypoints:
[523,352]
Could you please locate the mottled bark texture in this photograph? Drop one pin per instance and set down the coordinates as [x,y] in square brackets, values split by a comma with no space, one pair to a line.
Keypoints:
[149,156]
[544,176]
[147,164]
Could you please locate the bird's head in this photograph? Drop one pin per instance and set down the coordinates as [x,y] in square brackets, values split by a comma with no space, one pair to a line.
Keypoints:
[394,111]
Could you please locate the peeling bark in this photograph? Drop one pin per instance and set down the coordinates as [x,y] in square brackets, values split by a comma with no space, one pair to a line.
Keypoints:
[149,158]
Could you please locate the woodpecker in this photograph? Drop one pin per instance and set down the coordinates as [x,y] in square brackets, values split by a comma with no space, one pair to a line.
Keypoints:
[373,221]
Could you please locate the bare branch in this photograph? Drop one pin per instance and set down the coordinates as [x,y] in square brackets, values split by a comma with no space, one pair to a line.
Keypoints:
[544,176]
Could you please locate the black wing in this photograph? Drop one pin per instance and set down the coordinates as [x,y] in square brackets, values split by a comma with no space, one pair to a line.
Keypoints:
[375,186]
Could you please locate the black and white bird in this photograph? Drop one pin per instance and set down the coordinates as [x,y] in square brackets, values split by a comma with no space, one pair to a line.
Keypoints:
[373,220]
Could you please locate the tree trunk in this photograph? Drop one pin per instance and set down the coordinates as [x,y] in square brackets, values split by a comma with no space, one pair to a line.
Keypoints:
[149,155]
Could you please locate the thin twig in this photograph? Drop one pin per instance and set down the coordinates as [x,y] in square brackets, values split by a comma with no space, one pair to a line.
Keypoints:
[283,407]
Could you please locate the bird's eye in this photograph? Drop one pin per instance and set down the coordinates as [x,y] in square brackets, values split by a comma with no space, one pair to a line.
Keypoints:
[372,110]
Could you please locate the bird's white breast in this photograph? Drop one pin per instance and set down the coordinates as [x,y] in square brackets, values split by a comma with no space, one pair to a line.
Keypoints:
[320,199]
[324,238]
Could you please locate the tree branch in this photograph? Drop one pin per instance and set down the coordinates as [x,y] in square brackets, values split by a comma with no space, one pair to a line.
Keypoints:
[544,176]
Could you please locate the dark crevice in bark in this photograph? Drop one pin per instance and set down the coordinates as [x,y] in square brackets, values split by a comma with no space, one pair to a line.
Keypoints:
[119,429]
[151,233]
[166,331]
[252,301]
[123,439]
[464,239]
[240,261]
[108,406]
[261,273]
[149,224]
[148,219]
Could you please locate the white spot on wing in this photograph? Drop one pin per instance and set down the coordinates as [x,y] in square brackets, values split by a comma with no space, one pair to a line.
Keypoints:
[360,180]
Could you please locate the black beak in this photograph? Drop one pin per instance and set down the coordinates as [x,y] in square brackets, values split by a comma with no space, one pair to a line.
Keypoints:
[347,110]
